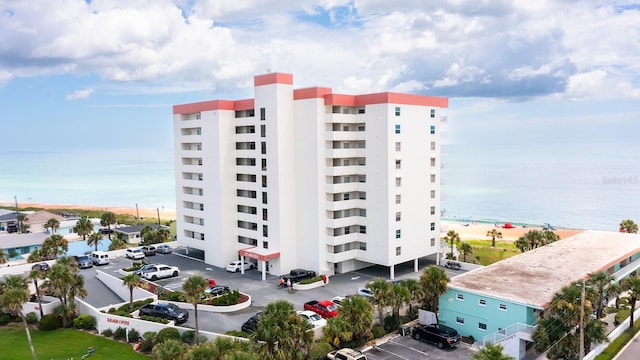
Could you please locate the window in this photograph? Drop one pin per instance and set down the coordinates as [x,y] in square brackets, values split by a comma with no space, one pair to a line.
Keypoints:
[433,242]
[398,251]
[398,164]
[398,146]
[459,320]
[265,244]
[265,230]
[264,197]
[397,110]
[398,199]
[502,307]
[398,181]
[433,113]
[345,162]
[197,116]
[460,297]
[263,130]
[363,229]
[433,162]
[265,214]
[346,179]
[433,194]
[398,216]
[363,246]
[345,128]
[345,196]
[432,129]
[433,226]
[263,113]
[482,302]
[347,230]
[433,145]
[397,128]
[398,233]
[433,210]
[433,178]
[264,164]
[482,326]
[264,180]
[263,147]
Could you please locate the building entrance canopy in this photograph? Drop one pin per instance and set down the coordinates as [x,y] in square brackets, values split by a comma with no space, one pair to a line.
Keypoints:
[257,253]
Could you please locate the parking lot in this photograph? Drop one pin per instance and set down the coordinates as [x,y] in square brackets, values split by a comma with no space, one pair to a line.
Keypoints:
[406,348]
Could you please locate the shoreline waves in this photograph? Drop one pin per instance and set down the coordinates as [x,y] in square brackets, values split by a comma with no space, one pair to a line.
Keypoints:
[165,213]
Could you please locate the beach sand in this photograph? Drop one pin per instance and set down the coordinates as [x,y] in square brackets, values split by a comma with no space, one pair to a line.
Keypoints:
[165,213]
[478,231]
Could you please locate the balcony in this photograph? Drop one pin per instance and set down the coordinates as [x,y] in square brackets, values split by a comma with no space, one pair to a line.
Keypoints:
[344,153]
[343,256]
[345,204]
[346,170]
[345,135]
[344,187]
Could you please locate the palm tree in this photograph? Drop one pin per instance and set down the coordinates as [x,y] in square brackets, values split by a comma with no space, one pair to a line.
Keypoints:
[358,312]
[628,226]
[15,292]
[381,290]
[281,333]
[535,238]
[600,283]
[163,234]
[148,234]
[466,248]
[53,246]
[117,244]
[632,285]
[433,283]
[108,218]
[52,224]
[64,282]
[548,237]
[194,288]
[522,244]
[84,228]
[131,281]
[3,257]
[493,234]
[22,223]
[36,275]
[452,238]
[614,290]
[35,256]
[337,331]
[491,352]
[399,295]
[94,239]
[171,349]
[414,289]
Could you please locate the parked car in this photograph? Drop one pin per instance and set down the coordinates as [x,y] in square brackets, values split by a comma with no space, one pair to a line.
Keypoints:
[314,319]
[43,266]
[346,354]
[149,250]
[143,269]
[324,308]
[211,282]
[165,310]
[83,261]
[135,253]
[160,271]
[338,300]
[296,275]
[250,325]
[236,266]
[164,249]
[440,335]
[100,257]
[366,292]
[217,290]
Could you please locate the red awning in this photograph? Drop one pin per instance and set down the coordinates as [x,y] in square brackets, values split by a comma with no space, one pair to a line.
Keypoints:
[259,254]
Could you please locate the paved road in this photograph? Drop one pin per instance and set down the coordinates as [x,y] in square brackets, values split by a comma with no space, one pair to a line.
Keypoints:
[631,351]
[406,348]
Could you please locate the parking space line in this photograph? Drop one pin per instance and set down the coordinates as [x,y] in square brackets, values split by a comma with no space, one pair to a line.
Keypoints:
[392,353]
[412,348]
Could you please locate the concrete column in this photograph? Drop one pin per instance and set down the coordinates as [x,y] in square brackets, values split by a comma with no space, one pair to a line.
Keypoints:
[392,272]
[264,270]
[242,264]
[415,265]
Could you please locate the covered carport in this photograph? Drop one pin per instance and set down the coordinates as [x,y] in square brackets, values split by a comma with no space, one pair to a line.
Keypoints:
[259,254]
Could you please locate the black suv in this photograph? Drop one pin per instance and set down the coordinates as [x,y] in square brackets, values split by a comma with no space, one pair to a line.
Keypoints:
[250,325]
[440,335]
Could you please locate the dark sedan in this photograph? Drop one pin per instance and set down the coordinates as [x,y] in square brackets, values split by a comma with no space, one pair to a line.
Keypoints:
[40,267]
[217,290]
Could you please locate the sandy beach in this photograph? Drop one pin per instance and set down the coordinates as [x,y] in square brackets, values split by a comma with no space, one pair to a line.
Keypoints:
[165,213]
[478,231]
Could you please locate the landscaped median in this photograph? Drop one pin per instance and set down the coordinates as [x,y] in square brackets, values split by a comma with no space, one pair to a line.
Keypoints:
[312,283]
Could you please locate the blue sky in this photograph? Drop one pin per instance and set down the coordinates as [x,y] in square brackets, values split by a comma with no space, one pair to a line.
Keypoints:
[103,74]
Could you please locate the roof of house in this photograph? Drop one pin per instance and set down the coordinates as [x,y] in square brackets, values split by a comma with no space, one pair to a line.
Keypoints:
[10,216]
[42,216]
[136,228]
[534,277]
[15,240]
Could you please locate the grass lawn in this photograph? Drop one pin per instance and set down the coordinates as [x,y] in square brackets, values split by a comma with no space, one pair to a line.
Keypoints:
[488,255]
[61,344]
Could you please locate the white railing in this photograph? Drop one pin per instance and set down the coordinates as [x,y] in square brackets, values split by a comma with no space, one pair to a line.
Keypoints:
[525,331]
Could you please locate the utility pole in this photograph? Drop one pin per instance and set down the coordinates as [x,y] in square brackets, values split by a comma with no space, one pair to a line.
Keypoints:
[582,293]
[158,211]
[137,215]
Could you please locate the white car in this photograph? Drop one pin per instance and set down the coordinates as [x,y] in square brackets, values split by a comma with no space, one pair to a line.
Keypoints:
[366,292]
[338,300]
[135,253]
[235,266]
[160,271]
[314,319]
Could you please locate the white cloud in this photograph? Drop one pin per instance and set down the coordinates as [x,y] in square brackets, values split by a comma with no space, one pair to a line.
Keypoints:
[79,94]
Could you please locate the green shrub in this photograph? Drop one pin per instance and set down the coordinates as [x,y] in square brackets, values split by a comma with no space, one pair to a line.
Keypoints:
[172,296]
[120,333]
[154,319]
[50,322]
[391,323]
[107,333]
[147,342]
[188,337]
[237,333]
[378,331]
[5,319]
[231,298]
[621,316]
[32,318]
[84,321]
[133,335]
[167,333]
[319,350]
[112,310]
[310,280]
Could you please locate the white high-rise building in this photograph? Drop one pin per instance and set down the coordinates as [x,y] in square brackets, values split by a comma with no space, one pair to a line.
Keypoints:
[309,179]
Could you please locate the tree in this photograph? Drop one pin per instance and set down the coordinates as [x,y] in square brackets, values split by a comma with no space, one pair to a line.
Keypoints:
[108,218]
[131,281]
[194,288]
[491,352]
[534,238]
[171,349]
[52,224]
[117,244]
[64,282]
[494,234]
[522,244]
[358,312]
[466,248]
[281,333]
[53,246]
[548,237]
[15,292]
[628,226]
[414,290]
[399,295]
[84,228]
[37,275]
[433,283]
[381,290]
[35,256]
[163,235]
[94,239]
[337,331]
[3,257]
[452,238]
[600,283]
[632,285]
[22,223]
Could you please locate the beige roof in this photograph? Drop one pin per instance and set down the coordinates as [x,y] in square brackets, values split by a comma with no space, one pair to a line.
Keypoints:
[533,277]
[42,216]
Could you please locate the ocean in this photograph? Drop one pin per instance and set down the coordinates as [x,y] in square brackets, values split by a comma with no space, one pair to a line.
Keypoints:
[574,185]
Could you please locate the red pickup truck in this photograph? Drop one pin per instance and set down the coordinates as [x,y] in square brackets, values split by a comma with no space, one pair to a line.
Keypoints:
[324,308]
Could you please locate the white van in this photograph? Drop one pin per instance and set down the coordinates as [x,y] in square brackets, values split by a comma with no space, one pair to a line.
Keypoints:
[100,257]
[135,253]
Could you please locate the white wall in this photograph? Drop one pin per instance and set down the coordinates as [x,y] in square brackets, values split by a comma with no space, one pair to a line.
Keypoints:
[122,291]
